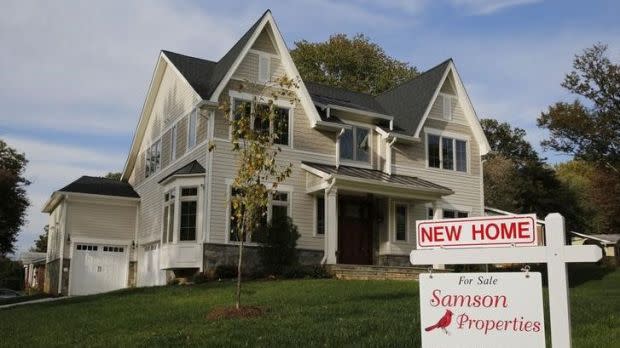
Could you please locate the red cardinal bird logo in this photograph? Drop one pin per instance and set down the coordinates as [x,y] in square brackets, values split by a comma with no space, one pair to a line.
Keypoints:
[443,323]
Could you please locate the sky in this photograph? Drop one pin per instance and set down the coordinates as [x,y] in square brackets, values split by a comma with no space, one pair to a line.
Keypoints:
[74,74]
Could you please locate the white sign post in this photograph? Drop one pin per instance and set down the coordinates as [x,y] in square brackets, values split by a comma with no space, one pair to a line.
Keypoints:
[555,254]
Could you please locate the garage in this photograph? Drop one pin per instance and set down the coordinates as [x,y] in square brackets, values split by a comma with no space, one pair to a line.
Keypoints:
[98,268]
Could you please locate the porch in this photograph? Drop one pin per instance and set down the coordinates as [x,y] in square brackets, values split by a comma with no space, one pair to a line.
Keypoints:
[369,215]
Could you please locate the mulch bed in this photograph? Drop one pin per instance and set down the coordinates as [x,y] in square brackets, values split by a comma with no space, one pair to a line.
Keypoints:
[244,312]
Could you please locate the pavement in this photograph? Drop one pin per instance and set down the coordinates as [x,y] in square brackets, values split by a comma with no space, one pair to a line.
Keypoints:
[41,300]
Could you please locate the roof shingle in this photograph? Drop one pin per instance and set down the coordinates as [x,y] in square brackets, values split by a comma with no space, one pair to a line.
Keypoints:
[101,186]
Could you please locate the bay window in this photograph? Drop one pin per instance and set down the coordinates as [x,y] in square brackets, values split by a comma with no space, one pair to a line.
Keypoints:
[189,204]
[181,212]
[446,153]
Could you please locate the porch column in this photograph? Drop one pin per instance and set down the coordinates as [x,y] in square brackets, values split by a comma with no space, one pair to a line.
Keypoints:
[438,215]
[331,225]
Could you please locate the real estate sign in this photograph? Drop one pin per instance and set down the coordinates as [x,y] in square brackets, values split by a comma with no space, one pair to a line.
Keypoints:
[477,232]
[482,310]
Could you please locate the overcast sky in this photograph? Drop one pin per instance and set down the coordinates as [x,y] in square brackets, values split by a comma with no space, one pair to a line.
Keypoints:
[74,74]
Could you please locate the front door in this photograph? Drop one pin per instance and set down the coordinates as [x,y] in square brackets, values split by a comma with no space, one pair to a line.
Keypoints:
[354,231]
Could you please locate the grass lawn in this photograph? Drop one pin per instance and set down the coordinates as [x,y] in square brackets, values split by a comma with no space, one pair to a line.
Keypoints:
[301,313]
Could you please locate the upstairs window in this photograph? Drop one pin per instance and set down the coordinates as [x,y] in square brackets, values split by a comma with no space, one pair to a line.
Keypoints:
[152,159]
[446,153]
[264,68]
[279,124]
[355,144]
[173,143]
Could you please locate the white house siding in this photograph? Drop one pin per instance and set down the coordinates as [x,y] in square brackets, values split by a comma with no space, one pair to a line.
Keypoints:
[152,193]
[174,99]
[111,220]
[224,169]
[263,42]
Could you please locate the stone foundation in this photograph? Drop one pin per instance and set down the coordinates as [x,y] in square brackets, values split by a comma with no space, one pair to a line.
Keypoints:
[52,270]
[393,260]
[228,255]
[133,273]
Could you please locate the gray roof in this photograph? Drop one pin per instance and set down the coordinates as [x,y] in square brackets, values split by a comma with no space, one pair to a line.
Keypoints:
[192,167]
[204,75]
[379,176]
[100,186]
[406,102]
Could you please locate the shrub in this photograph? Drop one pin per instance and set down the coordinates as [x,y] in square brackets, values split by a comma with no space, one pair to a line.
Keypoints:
[200,277]
[225,271]
[279,239]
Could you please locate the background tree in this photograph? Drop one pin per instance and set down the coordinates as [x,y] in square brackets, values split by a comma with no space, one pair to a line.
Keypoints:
[353,63]
[40,244]
[590,132]
[516,179]
[14,202]
[256,129]
[113,175]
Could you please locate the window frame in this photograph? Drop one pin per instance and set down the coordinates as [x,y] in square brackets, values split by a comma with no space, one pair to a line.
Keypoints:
[248,98]
[154,148]
[175,187]
[173,142]
[316,216]
[396,204]
[188,198]
[355,160]
[454,137]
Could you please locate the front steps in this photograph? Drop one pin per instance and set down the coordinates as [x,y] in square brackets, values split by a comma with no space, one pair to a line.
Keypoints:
[371,272]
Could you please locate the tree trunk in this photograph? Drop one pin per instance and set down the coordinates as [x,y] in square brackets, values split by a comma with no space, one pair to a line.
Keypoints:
[238,297]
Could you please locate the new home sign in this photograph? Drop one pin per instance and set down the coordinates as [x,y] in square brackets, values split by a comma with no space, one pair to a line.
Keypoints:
[482,310]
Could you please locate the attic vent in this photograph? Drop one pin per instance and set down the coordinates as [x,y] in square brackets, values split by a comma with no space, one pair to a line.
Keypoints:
[264,68]
[446,107]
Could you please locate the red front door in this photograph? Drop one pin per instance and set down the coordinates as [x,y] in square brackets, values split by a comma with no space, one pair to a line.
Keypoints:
[354,231]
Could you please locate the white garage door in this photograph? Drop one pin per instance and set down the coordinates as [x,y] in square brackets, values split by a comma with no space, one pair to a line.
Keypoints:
[98,268]
[149,272]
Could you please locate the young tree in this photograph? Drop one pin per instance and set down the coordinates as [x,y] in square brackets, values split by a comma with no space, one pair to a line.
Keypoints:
[257,127]
[589,132]
[353,63]
[14,202]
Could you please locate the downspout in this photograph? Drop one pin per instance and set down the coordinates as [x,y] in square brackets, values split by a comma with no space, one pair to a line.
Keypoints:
[388,156]
[338,146]
[332,181]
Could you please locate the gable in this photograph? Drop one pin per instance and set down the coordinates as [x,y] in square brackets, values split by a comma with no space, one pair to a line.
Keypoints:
[263,41]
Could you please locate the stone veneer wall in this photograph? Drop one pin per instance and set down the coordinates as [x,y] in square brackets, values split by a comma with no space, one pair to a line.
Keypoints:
[393,260]
[228,254]
[51,277]
[133,271]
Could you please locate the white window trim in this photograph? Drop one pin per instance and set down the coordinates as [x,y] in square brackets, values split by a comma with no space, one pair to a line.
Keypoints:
[182,199]
[393,205]
[176,185]
[267,57]
[455,136]
[354,162]
[157,143]
[249,98]
[448,206]
[281,188]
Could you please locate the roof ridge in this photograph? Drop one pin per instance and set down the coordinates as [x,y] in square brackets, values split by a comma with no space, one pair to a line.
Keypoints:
[416,77]
[188,56]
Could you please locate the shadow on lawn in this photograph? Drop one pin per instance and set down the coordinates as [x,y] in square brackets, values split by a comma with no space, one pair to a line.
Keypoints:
[585,272]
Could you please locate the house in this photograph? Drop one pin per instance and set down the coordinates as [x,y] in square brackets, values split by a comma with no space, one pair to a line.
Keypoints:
[34,270]
[365,168]
[609,243]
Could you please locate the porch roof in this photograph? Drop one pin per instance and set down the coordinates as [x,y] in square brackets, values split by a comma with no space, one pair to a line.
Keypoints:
[378,177]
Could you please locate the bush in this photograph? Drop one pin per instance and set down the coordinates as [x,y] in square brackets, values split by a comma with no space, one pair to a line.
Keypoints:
[225,271]
[200,277]
[279,241]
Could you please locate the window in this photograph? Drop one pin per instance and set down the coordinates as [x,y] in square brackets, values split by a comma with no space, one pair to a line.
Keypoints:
[189,205]
[446,107]
[452,214]
[279,205]
[401,222]
[446,153]
[461,155]
[320,215]
[355,144]
[152,159]
[191,130]
[168,221]
[232,229]
[173,143]
[279,124]
[431,214]
[264,67]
